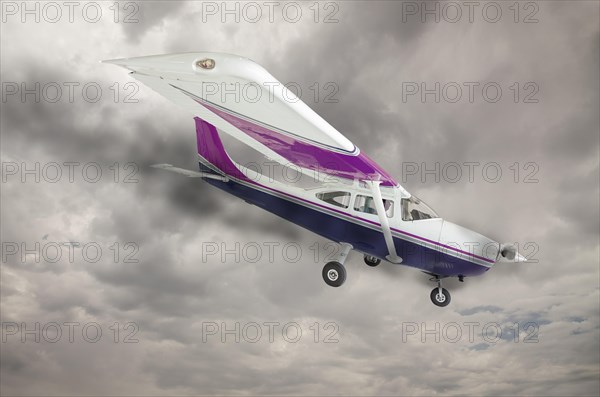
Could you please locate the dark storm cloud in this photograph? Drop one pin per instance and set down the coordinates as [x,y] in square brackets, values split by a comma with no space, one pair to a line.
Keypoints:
[149,15]
[362,41]
[375,41]
[173,290]
[65,138]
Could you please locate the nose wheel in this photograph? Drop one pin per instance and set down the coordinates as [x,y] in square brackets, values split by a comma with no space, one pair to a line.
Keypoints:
[334,272]
[439,296]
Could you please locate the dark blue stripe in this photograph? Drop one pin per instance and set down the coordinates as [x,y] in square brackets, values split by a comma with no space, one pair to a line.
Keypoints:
[361,237]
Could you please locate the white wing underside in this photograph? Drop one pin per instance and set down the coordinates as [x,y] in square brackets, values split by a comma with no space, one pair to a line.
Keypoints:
[240,98]
[164,87]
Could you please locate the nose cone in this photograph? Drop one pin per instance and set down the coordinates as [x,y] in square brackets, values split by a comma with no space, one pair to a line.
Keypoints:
[509,253]
[470,245]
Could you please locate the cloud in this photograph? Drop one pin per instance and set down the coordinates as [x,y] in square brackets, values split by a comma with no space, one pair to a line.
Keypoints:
[381,324]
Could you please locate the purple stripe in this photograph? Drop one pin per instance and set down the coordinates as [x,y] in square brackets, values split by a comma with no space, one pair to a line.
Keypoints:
[377,224]
[309,156]
[445,246]
[211,148]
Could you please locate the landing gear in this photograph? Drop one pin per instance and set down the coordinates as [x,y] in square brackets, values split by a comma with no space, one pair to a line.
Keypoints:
[372,261]
[334,272]
[439,296]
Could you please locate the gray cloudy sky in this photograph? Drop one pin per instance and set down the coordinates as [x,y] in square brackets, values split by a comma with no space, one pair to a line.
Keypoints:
[544,57]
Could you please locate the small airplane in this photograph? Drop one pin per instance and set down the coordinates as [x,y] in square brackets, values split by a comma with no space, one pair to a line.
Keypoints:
[354,202]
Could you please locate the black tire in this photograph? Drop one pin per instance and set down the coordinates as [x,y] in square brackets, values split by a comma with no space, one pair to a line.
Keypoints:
[334,274]
[372,261]
[442,300]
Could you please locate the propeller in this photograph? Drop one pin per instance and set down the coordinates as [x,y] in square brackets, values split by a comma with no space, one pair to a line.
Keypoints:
[509,253]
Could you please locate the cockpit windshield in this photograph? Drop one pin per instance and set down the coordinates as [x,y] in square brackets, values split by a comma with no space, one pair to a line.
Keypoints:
[414,209]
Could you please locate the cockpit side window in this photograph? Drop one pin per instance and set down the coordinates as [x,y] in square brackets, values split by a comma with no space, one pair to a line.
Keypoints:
[414,209]
[367,204]
[339,198]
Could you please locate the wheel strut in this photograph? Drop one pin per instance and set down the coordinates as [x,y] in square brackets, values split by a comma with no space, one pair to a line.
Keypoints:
[343,255]
[334,272]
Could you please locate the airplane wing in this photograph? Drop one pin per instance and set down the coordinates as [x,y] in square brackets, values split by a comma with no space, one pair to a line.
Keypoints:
[242,99]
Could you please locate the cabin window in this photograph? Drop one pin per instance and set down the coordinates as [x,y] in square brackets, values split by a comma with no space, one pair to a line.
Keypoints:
[414,209]
[367,204]
[339,199]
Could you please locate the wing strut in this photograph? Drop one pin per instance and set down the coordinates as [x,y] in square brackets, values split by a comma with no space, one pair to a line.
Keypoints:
[385,226]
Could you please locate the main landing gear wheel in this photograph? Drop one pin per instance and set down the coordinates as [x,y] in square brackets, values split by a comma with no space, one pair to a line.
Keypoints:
[334,274]
[372,261]
[440,296]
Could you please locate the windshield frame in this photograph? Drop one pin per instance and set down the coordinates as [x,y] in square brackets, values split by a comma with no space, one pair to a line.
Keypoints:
[412,204]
